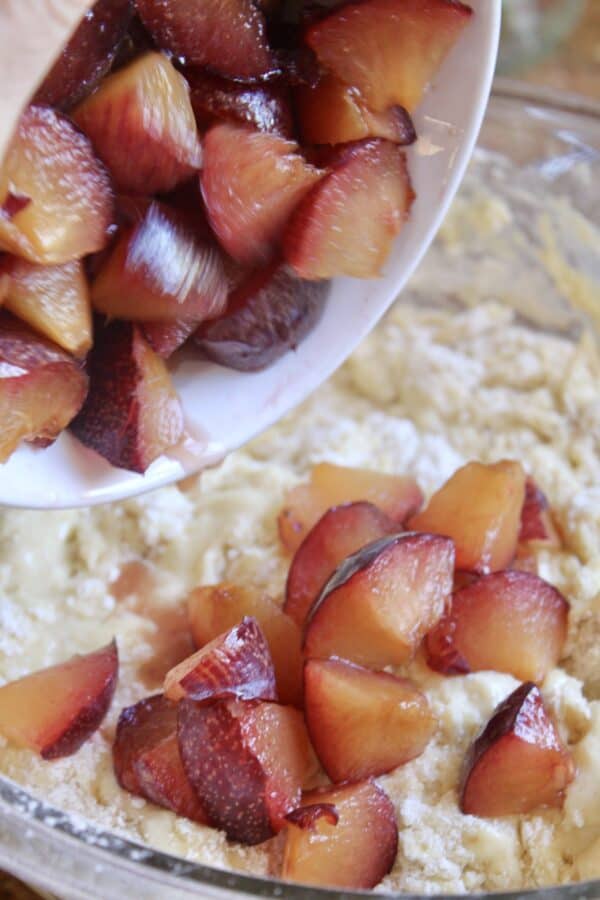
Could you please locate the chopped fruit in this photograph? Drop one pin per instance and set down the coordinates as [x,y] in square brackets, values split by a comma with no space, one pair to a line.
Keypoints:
[346,224]
[251,183]
[479,507]
[537,527]
[363,723]
[142,126]
[41,387]
[269,313]
[214,609]
[508,621]
[331,112]
[226,36]
[132,413]
[54,300]
[356,852]
[55,196]
[167,337]
[381,601]
[308,816]
[147,761]
[264,106]
[236,664]
[159,271]
[518,763]
[88,55]
[341,531]
[388,50]
[330,485]
[247,761]
[525,559]
[54,711]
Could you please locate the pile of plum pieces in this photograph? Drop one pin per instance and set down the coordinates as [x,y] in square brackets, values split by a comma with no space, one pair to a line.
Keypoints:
[194,171]
[285,715]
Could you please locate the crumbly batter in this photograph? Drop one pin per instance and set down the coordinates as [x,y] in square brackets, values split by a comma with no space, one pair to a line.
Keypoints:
[441,381]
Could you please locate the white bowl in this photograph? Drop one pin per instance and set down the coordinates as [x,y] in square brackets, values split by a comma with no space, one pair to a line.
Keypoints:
[224,408]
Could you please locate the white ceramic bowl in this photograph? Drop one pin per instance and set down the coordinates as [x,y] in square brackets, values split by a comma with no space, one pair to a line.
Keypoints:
[224,408]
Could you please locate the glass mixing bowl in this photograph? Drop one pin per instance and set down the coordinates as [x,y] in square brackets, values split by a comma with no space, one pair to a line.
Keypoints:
[547,143]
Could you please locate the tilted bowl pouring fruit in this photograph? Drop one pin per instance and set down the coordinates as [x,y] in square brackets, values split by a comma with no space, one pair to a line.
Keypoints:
[225,408]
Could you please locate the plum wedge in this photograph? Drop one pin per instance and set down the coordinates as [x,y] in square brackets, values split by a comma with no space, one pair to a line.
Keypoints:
[331,485]
[264,106]
[251,183]
[344,837]
[142,126]
[54,711]
[381,601]
[246,761]
[363,723]
[341,531]
[132,413]
[346,223]
[167,337]
[41,387]
[537,526]
[269,313]
[236,665]
[508,621]
[388,50]
[159,271]
[518,763]
[479,507]
[147,761]
[215,608]
[55,197]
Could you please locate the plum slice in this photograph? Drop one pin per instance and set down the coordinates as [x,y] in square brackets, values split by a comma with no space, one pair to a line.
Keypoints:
[518,763]
[341,531]
[215,608]
[331,485]
[236,664]
[381,601]
[507,621]
[56,199]
[226,36]
[363,723]
[159,271]
[388,50]
[55,710]
[141,123]
[264,106]
[147,761]
[41,387]
[88,55]
[132,413]
[346,223]
[247,761]
[167,337]
[479,507]
[251,182]
[269,313]
[54,300]
[355,851]
[537,527]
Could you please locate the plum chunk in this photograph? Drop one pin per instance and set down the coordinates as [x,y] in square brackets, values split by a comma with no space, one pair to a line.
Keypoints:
[264,106]
[479,507]
[355,852]
[54,711]
[41,387]
[167,337]
[56,199]
[537,527]
[251,182]
[147,761]
[341,531]
[236,664]
[507,621]
[132,413]
[269,313]
[382,600]
[331,485]
[363,723]
[247,761]
[518,763]
[141,123]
